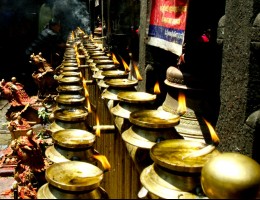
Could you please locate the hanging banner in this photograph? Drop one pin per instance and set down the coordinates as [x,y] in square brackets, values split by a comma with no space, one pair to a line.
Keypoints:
[167,24]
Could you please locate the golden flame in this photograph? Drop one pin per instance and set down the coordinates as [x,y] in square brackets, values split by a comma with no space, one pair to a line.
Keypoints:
[88,105]
[182,108]
[85,88]
[213,134]
[127,69]
[116,62]
[80,74]
[138,75]
[103,160]
[156,88]
[98,127]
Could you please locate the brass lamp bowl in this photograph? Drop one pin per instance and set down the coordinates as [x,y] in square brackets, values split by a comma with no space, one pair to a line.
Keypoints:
[154,119]
[111,92]
[69,64]
[149,127]
[100,57]
[64,69]
[136,97]
[74,176]
[120,82]
[47,191]
[107,61]
[70,115]
[71,144]
[115,74]
[130,101]
[70,73]
[107,67]
[70,98]
[97,53]
[69,88]
[69,80]
[231,175]
[170,154]
[73,138]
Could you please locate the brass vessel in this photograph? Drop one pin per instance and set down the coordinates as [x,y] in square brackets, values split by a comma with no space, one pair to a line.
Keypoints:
[116,85]
[72,180]
[74,118]
[191,126]
[231,175]
[130,101]
[149,127]
[72,144]
[171,176]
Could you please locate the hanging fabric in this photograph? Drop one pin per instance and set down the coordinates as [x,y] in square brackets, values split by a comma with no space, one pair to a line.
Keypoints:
[167,24]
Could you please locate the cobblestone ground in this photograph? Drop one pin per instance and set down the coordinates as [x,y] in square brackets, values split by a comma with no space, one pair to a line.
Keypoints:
[5,136]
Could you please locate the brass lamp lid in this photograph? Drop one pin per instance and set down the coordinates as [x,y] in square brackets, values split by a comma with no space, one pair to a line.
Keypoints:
[123,109]
[154,119]
[170,153]
[104,62]
[69,64]
[70,68]
[74,176]
[73,138]
[115,74]
[97,53]
[71,80]
[136,97]
[102,84]
[70,73]
[69,88]
[147,137]
[70,98]
[70,114]
[111,92]
[121,82]
[107,67]
[100,57]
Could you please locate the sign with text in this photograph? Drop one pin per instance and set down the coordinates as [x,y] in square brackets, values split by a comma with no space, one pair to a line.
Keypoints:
[167,24]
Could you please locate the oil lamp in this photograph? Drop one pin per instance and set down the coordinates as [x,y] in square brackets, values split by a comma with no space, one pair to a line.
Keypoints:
[73,180]
[171,177]
[192,125]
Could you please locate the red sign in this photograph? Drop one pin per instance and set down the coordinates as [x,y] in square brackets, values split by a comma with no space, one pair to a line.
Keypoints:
[167,24]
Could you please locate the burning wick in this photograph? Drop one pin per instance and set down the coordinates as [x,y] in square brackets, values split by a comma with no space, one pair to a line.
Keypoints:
[182,108]
[103,160]
[208,149]
[98,127]
[156,88]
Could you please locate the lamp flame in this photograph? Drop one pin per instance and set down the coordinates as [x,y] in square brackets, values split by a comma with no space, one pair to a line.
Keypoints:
[213,134]
[156,88]
[98,127]
[182,108]
[138,75]
[85,88]
[88,105]
[209,148]
[127,69]
[103,160]
[116,62]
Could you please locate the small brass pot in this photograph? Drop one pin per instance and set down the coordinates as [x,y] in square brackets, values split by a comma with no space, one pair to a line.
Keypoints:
[72,180]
